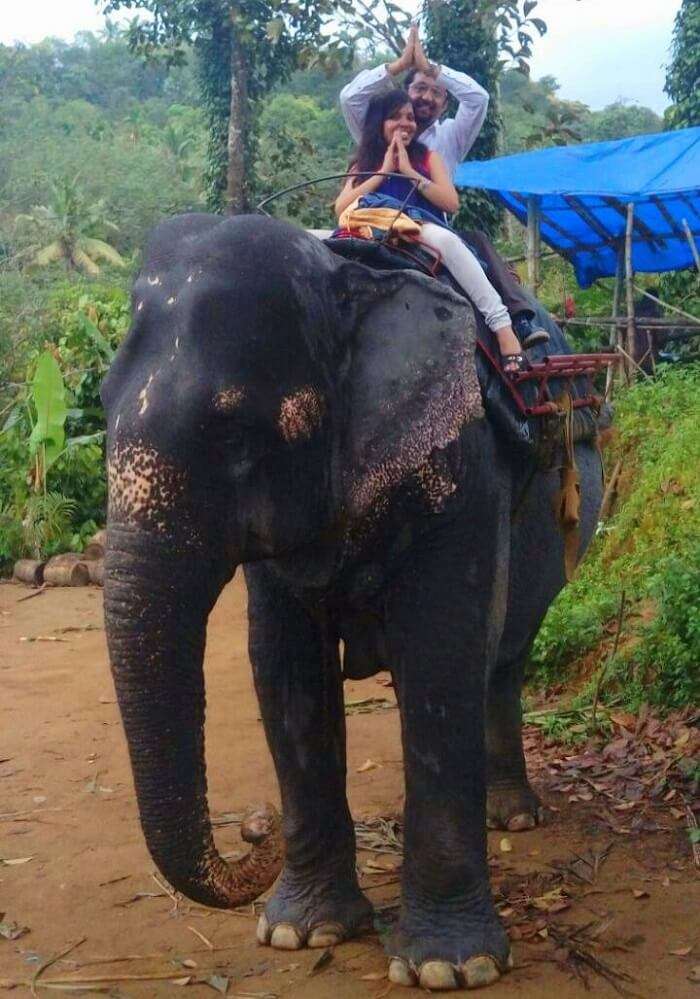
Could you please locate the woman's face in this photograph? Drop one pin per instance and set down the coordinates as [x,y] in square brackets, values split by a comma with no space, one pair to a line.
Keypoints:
[401,121]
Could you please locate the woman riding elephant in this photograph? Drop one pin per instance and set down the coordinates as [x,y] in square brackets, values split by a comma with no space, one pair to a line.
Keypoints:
[388,144]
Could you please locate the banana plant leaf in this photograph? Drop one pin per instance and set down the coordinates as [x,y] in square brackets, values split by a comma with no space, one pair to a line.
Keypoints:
[49,398]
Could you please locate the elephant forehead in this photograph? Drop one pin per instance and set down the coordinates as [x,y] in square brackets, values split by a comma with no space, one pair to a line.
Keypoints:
[144,487]
[300,414]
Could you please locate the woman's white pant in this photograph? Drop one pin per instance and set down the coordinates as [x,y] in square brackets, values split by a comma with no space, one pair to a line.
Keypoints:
[468,273]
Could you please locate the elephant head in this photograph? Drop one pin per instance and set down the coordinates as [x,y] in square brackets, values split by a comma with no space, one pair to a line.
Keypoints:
[267,393]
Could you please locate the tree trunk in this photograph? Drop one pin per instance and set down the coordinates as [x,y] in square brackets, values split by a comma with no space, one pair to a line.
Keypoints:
[237,177]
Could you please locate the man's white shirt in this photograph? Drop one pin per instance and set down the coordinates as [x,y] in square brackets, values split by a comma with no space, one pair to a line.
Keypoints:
[452,138]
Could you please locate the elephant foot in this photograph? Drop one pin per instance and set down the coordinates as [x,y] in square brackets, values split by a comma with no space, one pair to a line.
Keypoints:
[514,808]
[313,914]
[461,961]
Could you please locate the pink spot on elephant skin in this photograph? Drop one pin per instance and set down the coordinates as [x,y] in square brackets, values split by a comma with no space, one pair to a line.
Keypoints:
[301,414]
[229,399]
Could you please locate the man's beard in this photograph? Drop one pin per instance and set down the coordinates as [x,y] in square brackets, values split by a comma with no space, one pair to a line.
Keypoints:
[424,116]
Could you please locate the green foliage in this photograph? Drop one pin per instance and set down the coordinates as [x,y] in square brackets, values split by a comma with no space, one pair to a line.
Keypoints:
[534,116]
[618,121]
[46,524]
[683,75]
[665,664]
[48,400]
[243,50]
[40,514]
[71,224]
[649,548]
[301,141]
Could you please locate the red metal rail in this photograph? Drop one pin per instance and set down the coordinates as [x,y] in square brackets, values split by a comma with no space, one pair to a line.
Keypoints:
[560,366]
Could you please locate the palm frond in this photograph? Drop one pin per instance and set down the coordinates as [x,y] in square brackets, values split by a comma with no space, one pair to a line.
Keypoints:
[99,250]
[82,261]
[50,254]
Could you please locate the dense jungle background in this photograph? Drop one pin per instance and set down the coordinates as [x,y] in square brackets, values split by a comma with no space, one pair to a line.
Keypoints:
[96,145]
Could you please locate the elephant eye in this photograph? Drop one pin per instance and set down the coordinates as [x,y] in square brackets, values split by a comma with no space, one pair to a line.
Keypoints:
[237,438]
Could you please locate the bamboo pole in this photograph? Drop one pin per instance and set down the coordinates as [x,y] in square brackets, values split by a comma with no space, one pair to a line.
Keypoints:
[667,305]
[533,243]
[693,244]
[617,296]
[651,321]
[629,285]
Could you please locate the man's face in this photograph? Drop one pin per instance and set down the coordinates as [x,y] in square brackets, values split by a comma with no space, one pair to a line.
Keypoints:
[429,99]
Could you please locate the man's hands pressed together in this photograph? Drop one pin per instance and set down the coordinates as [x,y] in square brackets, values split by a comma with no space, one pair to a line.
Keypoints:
[413,57]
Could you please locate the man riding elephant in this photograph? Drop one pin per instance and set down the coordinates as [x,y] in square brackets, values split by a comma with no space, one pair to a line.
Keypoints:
[428,87]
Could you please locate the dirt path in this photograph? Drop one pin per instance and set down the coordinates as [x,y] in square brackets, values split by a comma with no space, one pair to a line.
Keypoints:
[66,802]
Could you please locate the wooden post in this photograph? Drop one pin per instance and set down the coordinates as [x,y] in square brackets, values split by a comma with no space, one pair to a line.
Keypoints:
[613,339]
[629,284]
[693,244]
[533,243]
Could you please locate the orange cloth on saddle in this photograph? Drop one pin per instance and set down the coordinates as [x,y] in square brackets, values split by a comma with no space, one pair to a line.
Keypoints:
[361,221]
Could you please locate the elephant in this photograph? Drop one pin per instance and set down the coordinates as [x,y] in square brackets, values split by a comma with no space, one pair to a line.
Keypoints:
[320,424]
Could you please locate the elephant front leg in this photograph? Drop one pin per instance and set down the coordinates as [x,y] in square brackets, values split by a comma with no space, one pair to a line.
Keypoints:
[317,901]
[449,935]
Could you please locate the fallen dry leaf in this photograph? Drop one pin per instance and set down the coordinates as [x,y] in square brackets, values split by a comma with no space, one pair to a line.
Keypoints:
[640,893]
[681,951]
[16,861]
[505,845]
[322,962]
[374,976]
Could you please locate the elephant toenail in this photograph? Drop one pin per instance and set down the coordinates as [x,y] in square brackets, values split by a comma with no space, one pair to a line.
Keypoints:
[400,973]
[326,935]
[480,971]
[438,976]
[285,937]
[491,824]
[518,823]
[263,930]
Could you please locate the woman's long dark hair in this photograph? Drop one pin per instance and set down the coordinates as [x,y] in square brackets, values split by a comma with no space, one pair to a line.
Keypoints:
[372,146]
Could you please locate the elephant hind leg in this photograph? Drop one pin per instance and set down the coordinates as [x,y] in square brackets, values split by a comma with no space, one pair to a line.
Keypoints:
[511,802]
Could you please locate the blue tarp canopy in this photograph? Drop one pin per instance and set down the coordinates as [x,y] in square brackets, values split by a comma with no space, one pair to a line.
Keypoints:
[583,192]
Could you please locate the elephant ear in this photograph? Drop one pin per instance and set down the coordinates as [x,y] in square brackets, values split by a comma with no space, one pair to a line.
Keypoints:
[412,380]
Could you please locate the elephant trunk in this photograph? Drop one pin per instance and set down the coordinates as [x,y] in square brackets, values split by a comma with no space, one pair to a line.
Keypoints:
[156,610]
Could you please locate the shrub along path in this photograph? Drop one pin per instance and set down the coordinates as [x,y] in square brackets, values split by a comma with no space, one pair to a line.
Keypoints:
[608,893]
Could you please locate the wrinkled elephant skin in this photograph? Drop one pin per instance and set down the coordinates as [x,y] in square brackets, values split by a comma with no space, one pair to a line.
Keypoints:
[276,407]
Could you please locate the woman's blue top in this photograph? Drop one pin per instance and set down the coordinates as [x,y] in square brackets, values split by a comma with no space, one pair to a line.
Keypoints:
[393,192]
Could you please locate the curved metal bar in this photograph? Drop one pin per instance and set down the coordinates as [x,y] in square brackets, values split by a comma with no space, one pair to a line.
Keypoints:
[333,176]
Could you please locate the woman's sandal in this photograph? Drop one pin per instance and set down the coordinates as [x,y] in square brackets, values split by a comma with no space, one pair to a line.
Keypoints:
[513,364]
